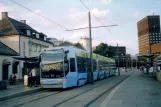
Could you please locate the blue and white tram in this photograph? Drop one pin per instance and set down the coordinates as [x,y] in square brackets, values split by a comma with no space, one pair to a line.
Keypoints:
[63,67]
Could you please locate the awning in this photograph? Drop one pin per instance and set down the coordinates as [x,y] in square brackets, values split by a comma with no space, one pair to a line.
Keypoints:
[27,59]
[149,55]
[157,58]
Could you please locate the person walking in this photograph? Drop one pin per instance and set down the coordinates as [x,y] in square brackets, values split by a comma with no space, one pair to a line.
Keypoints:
[30,79]
[10,80]
[14,79]
[34,75]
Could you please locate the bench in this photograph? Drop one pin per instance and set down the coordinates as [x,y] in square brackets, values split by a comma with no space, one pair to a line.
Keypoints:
[3,85]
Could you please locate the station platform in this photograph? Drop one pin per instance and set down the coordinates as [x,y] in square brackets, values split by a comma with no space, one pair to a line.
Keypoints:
[13,91]
[139,90]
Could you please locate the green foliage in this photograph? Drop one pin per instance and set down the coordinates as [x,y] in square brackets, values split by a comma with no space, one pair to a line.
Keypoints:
[77,45]
[104,50]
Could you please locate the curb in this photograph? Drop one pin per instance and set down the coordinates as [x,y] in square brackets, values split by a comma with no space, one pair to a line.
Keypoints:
[18,94]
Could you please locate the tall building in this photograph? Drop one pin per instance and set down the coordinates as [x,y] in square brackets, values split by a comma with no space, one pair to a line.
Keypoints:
[148,33]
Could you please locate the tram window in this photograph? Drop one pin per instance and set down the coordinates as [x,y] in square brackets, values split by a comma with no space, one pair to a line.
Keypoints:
[94,66]
[80,65]
[72,65]
[86,65]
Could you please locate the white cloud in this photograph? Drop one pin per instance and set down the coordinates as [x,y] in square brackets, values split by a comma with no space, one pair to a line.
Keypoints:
[100,13]
[136,14]
[74,15]
[105,1]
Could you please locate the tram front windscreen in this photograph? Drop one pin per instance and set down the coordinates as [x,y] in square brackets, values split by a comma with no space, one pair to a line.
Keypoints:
[52,65]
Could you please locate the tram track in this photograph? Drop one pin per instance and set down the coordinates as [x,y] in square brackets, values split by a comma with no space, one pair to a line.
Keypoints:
[38,95]
[107,91]
[54,93]
[42,94]
[93,100]
[74,97]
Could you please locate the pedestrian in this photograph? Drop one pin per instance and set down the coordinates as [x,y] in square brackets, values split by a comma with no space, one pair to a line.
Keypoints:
[10,80]
[34,75]
[14,79]
[30,79]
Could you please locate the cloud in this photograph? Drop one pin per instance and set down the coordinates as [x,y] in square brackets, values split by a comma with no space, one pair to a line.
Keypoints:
[136,14]
[100,13]
[75,18]
[4,8]
[105,1]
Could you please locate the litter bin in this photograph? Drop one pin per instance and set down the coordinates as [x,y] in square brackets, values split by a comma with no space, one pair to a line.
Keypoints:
[26,80]
[158,76]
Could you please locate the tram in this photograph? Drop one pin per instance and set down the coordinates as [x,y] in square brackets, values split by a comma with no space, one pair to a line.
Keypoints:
[64,67]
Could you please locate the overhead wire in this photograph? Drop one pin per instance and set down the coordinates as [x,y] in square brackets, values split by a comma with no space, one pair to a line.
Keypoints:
[93,14]
[43,16]
[39,15]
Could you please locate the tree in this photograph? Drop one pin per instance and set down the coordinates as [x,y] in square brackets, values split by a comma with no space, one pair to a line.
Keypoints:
[104,50]
[66,43]
[77,45]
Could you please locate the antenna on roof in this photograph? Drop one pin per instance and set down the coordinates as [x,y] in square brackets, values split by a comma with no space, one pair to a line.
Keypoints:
[153,14]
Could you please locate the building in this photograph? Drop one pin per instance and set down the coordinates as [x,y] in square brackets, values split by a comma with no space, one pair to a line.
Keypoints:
[121,51]
[85,42]
[8,65]
[22,38]
[94,48]
[156,48]
[55,41]
[148,33]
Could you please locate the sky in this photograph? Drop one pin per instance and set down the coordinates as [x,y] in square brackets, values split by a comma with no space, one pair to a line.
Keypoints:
[72,14]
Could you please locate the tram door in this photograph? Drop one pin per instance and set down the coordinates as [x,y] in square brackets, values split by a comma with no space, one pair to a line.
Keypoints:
[71,77]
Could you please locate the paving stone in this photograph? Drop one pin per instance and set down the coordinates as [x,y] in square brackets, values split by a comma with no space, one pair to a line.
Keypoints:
[140,90]
[116,102]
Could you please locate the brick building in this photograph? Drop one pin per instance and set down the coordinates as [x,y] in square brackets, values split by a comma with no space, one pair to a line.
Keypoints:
[148,33]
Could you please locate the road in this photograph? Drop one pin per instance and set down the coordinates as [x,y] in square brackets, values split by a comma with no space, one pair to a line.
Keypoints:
[79,97]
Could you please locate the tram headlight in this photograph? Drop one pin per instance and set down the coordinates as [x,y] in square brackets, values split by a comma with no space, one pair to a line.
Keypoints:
[41,82]
[60,81]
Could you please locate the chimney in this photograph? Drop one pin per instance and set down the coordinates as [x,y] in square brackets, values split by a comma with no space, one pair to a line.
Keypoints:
[23,21]
[4,15]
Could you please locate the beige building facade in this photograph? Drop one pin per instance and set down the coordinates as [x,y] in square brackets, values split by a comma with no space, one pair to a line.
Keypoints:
[21,38]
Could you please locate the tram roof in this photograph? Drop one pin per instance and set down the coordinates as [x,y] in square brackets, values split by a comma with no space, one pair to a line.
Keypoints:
[82,53]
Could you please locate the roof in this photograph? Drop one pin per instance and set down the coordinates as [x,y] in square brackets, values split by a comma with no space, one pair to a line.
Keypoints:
[27,59]
[9,26]
[5,50]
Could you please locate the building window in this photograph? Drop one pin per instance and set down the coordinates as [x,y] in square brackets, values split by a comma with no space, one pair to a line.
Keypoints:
[29,52]
[28,33]
[30,47]
[37,35]
[23,45]
[36,48]
[23,53]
